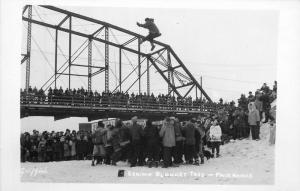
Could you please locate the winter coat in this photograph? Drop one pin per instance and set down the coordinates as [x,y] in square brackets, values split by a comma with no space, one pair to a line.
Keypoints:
[80,147]
[72,148]
[215,133]
[150,26]
[56,147]
[258,104]
[49,147]
[167,133]
[42,146]
[27,144]
[200,128]
[67,152]
[151,135]
[253,117]
[136,132]
[178,132]
[189,134]
[124,135]
[113,139]
[99,136]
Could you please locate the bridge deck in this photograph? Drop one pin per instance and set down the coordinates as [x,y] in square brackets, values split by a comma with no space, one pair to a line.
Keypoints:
[95,109]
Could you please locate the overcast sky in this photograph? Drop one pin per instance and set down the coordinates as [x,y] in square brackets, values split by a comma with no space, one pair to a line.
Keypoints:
[234,50]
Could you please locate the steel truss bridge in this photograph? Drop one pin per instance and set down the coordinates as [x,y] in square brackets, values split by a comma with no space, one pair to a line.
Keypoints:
[180,82]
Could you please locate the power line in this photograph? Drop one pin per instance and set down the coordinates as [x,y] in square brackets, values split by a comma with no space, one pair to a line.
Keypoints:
[231,65]
[228,79]
[58,46]
[80,58]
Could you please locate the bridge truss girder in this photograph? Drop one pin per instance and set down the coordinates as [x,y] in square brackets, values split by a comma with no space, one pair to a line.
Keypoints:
[165,61]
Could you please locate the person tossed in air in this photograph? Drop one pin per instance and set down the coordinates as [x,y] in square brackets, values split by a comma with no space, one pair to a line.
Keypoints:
[153,31]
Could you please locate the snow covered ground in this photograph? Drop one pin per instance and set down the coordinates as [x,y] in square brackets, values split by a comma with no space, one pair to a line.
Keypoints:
[242,162]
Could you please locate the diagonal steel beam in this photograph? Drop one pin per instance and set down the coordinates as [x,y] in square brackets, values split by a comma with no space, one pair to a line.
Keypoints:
[82,35]
[189,91]
[24,58]
[158,51]
[64,20]
[24,9]
[190,75]
[129,41]
[184,85]
[99,22]
[98,72]
[175,72]
[99,30]
[165,78]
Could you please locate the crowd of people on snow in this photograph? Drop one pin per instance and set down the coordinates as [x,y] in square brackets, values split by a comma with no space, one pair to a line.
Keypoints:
[172,143]
[151,145]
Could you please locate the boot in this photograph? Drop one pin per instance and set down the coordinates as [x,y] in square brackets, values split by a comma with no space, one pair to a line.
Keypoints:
[196,162]
[150,164]
[202,160]
[98,160]
[156,164]
[152,47]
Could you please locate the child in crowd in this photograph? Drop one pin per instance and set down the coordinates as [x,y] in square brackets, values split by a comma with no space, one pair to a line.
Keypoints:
[66,146]
[215,134]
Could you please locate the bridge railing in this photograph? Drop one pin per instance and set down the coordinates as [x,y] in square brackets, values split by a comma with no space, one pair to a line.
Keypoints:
[107,102]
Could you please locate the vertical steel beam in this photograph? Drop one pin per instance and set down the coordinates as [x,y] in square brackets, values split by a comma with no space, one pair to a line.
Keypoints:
[55,67]
[148,78]
[89,65]
[106,61]
[70,50]
[139,64]
[27,81]
[169,71]
[197,93]
[120,69]
[201,87]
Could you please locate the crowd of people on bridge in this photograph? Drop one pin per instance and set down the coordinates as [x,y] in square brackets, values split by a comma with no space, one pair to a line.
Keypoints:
[172,143]
[81,95]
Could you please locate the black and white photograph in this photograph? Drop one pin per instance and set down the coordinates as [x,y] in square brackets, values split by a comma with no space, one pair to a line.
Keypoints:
[159,94]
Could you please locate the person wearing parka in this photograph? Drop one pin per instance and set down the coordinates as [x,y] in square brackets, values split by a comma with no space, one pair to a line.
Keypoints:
[215,134]
[125,143]
[42,150]
[57,149]
[136,134]
[152,143]
[189,134]
[99,140]
[254,120]
[80,148]
[179,145]
[67,152]
[115,142]
[73,143]
[167,133]
[201,130]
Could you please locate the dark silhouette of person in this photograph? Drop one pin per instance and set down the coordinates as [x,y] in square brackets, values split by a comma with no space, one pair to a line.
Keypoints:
[153,31]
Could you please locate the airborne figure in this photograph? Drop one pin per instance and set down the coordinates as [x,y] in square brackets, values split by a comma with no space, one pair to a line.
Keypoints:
[153,31]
